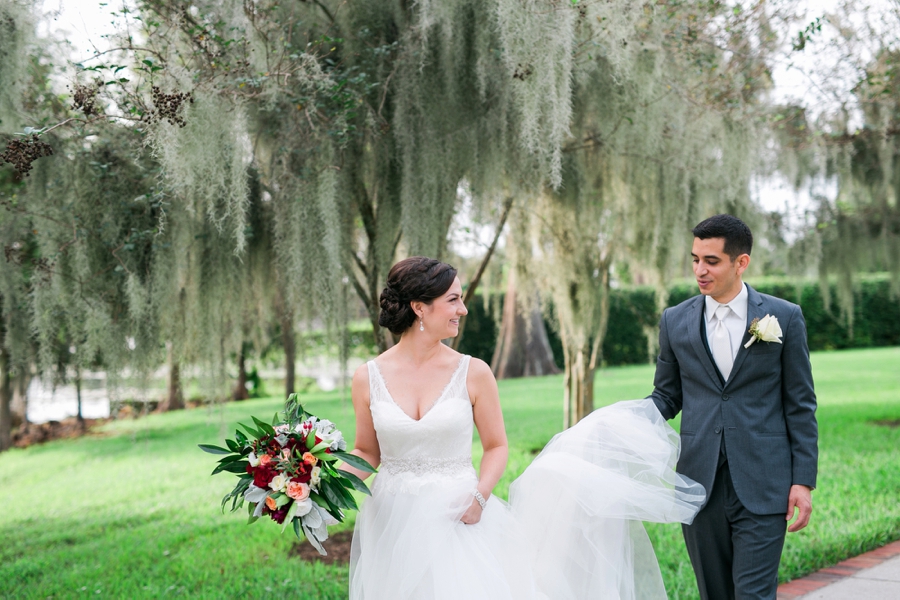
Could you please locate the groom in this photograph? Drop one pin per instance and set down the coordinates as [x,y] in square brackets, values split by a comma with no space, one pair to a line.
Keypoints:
[748,425]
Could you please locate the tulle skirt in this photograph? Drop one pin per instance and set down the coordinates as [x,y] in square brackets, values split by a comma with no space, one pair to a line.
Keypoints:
[572,528]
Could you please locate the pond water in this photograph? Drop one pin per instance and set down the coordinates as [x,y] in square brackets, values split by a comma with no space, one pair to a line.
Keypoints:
[49,403]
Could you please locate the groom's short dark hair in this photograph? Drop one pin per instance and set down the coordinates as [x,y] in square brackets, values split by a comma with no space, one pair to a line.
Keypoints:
[738,238]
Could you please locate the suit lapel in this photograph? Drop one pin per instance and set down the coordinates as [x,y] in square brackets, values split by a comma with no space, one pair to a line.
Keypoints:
[754,311]
[698,331]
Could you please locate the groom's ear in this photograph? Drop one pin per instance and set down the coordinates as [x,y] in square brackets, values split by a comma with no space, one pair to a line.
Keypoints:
[743,261]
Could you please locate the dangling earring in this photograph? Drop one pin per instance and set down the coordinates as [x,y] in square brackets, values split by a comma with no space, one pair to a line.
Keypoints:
[421,325]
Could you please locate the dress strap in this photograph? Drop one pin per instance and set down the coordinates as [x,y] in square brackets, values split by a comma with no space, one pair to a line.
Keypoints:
[457,385]
[377,387]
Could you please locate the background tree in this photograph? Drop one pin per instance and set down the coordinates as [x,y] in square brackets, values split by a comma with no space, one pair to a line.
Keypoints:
[229,165]
[852,144]
[662,136]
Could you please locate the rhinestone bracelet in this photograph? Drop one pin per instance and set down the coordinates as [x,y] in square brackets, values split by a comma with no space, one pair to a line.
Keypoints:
[480,499]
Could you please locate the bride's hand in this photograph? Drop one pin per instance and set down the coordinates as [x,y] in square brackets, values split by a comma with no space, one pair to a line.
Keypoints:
[473,514]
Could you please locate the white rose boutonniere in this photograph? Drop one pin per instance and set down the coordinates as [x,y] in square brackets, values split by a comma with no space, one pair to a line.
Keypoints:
[766,329]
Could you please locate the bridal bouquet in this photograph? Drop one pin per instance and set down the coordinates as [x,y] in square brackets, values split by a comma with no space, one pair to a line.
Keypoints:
[287,471]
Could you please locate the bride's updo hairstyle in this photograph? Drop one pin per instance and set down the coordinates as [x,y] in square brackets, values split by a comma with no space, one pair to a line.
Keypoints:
[415,279]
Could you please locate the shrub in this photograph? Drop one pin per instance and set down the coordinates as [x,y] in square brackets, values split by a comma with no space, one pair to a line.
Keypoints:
[632,313]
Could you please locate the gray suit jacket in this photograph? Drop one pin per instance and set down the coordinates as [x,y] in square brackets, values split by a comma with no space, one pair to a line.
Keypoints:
[765,414]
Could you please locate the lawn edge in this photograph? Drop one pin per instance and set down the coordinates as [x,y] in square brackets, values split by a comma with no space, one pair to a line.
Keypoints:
[798,588]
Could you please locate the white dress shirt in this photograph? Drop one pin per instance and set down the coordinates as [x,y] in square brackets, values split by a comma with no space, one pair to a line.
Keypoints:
[735,322]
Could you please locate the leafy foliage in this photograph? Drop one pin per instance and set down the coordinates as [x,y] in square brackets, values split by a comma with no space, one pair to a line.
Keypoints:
[853,147]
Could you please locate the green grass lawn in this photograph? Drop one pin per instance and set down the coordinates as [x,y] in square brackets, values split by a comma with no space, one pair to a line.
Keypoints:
[131,511]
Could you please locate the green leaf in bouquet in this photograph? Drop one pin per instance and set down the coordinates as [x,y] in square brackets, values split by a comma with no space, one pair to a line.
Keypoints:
[230,458]
[310,441]
[264,427]
[276,420]
[232,467]
[213,449]
[252,432]
[337,495]
[348,497]
[355,461]
[250,508]
[327,457]
[233,445]
[237,494]
[293,410]
[349,480]
[236,503]
[320,447]
[223,464]
[332,510]
[240,438]
[296,522]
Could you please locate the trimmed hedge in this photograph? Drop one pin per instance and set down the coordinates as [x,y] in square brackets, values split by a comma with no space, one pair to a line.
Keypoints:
[876,319]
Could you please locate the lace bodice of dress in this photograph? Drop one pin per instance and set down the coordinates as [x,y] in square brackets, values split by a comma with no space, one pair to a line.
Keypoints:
[438,445]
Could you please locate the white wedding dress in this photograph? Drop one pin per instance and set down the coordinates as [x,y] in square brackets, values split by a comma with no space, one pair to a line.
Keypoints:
[572,528]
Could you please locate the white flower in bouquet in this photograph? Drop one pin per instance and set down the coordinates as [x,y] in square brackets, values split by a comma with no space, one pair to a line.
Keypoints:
[279,482]
[255,494]
[325,426]
[328,431]
[315,477]
[315,526]
[253,459]
[303,507]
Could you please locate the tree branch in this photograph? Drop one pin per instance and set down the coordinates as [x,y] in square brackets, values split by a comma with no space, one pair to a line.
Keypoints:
[473,285]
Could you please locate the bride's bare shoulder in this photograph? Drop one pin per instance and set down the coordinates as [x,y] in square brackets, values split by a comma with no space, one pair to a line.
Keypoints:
[480,375]
[359,386]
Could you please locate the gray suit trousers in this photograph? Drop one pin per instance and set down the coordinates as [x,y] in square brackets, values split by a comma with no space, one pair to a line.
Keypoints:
[734,552]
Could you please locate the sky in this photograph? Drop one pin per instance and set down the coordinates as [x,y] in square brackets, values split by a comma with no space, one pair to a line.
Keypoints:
[83,22]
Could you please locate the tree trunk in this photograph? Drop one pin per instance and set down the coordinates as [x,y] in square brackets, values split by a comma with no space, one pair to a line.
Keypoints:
[5,398]
[579,384]
[582,358]
[384,339]
[240,389]
[78,397]
[523,349]
[19,404]
[288,342]
[174,396]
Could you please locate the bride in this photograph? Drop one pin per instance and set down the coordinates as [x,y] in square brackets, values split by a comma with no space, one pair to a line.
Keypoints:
[432,528]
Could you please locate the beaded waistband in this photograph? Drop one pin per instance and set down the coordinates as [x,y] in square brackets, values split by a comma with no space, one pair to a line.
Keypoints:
[425,465]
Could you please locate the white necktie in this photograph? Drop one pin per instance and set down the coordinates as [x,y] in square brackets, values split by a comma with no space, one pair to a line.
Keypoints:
[721,342]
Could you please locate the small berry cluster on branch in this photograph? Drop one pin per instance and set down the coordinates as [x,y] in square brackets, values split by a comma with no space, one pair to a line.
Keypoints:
[21,152]
[85,98]
[168,106]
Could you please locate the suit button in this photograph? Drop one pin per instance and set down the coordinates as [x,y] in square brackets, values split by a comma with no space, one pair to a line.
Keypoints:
[718,429]
[724,396]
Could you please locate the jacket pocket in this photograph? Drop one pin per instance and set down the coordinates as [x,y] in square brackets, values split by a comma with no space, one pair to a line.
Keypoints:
[766,347]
